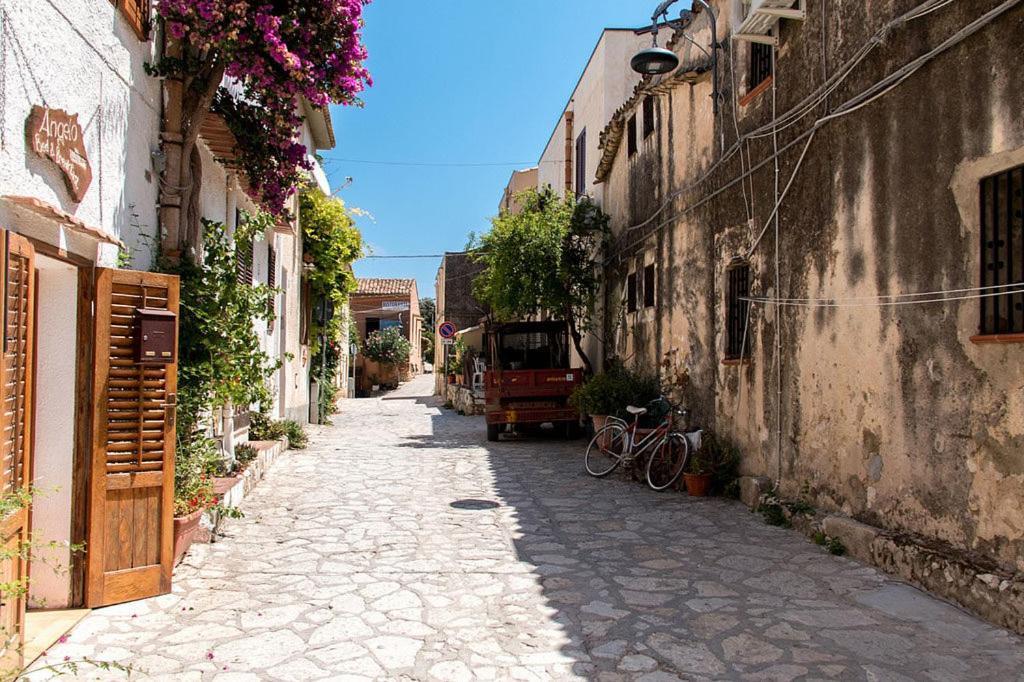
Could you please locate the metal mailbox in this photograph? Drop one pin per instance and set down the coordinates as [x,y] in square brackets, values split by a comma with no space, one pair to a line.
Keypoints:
[156,337]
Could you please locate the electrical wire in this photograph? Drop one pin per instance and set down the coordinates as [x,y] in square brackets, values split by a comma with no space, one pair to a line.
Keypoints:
[853,104]
[440,164]
[880,297]
[876,304]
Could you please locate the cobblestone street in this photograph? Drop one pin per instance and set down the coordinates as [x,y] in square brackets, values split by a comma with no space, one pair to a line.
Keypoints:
[356,560]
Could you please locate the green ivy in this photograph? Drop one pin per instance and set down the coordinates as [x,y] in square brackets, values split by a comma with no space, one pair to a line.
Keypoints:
[220,361]
[331,242]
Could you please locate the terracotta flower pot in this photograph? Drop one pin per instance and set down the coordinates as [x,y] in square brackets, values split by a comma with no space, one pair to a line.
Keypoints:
[698,485]
[600,421]
[223,484]
[185,530]
[451,378]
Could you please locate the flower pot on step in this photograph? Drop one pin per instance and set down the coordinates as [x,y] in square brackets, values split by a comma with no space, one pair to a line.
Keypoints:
[185,530]
[698,485]
[600,421]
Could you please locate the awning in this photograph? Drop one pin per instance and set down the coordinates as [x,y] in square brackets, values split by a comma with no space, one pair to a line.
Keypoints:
[52,214]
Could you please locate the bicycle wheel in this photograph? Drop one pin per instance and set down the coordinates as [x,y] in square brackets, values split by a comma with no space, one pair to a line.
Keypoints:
[606,450]
[668,461]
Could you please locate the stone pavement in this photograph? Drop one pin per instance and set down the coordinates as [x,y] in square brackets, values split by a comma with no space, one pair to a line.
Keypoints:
[360,558]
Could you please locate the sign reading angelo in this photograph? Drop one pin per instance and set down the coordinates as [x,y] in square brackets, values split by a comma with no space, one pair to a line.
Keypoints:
[56,135]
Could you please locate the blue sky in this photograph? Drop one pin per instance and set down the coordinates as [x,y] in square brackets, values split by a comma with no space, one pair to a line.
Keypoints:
[457,81]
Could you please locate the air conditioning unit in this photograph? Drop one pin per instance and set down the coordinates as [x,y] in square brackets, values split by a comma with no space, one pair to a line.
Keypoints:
[762,17]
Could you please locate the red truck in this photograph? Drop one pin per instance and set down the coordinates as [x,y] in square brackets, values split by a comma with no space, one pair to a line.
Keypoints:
[529,377]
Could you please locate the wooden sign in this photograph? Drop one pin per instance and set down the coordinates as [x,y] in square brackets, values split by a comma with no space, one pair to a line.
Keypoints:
[56,135]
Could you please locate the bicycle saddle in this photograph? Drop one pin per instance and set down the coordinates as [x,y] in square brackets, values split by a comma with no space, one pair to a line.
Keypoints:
[636,410]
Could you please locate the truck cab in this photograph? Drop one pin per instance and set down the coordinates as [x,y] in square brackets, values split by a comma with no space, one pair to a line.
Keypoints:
[529,377]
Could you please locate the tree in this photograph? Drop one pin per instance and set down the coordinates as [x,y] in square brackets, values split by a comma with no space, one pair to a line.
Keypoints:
[428,315]
[276,53]
[544,259]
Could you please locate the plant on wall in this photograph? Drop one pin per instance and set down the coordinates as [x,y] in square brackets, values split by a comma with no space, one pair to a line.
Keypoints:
[41,553]
[544,259]
[331,242]
[276,53]
[220,361]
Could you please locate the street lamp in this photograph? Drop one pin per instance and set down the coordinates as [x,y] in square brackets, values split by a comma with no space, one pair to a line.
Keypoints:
[656,61]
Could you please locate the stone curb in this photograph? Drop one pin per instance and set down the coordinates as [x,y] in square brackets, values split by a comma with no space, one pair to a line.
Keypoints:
[267,454]
[995,595]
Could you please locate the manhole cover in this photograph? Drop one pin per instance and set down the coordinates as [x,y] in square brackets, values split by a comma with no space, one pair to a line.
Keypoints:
[475,505]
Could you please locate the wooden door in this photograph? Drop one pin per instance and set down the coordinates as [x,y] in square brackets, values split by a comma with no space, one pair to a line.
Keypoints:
[131,478]
[17,291]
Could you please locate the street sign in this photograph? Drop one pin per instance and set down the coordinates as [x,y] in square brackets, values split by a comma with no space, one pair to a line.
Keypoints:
[449,342]
[447,330]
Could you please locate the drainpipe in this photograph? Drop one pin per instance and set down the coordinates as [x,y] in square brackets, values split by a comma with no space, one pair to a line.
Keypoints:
[171,143]
[569,118]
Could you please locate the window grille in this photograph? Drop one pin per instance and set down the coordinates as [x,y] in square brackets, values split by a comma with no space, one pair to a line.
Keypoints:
[581,164]
[760,64]
[736,311]
[1002,251]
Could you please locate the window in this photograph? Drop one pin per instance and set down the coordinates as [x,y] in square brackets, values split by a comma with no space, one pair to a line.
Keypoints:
[649,286]
[372,325]
[631,136]
[243,262]
[631,293]
[736,311]
[760,64]
[581,164]
[136,12]
[272,283]
[648,117]
[1002,251]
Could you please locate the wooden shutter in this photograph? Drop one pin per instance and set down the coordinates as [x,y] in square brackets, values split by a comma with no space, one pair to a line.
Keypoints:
[131,480]
[17,290]
[136,12]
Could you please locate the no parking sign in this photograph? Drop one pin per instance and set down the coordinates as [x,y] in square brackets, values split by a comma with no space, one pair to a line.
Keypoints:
[447,330]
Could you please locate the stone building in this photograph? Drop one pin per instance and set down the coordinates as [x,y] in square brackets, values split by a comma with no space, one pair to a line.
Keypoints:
[379,304]
[455,304]
[861,343]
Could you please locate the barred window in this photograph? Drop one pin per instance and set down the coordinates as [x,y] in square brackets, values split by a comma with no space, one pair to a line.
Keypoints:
[1002,251]
[760,64]
[736,311]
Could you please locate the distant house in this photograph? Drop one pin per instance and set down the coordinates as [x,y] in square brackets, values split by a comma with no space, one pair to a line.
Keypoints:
[520,181]
[387,304]
[455,303]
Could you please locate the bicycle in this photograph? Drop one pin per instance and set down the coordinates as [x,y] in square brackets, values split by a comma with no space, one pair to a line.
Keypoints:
[667,450]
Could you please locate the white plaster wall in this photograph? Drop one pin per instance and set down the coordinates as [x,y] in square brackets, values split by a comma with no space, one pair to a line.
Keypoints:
[606,83]
[81,56]
[54,431]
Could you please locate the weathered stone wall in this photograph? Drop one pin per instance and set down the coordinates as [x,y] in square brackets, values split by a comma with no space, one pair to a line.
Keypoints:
[891,415]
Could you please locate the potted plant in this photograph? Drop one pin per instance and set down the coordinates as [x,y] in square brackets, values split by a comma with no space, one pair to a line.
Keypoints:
[609,393]
[189,506]
[698,475]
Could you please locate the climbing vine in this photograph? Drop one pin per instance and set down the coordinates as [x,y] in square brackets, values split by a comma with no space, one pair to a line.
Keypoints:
[220,361]
[331,242]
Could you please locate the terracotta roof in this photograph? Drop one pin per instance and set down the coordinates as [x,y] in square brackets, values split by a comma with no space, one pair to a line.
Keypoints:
[384,287]
[614,131]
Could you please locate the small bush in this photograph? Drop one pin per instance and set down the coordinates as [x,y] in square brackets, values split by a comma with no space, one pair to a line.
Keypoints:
[388,347]
[245,454]
[610,392]
[298,439]
[263,427]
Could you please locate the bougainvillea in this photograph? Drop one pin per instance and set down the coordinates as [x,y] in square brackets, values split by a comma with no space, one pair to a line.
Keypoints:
[276,52]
